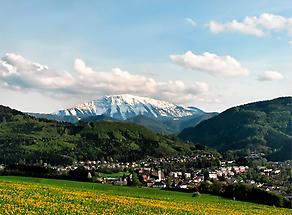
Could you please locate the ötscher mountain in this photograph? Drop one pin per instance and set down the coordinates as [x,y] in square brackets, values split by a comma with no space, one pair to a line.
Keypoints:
[157,115]
[127,106]
[264,126]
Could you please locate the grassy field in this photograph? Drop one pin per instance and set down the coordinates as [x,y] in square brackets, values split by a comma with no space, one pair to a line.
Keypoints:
[21,195]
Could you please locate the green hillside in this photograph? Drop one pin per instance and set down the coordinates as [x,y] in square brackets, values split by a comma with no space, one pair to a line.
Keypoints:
[169,126]
[261,126]
[158,125]
[24,139]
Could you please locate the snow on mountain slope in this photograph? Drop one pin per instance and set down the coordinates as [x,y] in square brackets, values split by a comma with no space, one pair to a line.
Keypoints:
[126,106]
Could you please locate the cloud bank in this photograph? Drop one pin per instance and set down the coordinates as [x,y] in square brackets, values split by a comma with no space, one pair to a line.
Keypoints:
[19,73]
[252,25]
[210,63]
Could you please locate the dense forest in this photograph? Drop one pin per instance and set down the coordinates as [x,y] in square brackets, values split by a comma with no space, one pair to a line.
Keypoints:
[26,140]
[261,127]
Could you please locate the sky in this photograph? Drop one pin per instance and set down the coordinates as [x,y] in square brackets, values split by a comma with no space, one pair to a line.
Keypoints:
[211,54]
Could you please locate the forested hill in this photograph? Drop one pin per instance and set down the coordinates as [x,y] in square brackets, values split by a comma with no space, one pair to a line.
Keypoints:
[264,126]
[25,139]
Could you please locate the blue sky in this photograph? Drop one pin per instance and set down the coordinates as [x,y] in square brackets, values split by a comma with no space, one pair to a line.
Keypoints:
[138,37]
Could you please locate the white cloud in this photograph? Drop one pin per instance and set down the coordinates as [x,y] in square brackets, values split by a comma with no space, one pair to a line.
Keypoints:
[290,42]
[252,25]
[18,73]
[270,76]
[211,63]
[120,81]
[191,22]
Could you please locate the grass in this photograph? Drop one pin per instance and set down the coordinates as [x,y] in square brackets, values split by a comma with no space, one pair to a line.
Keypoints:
[113,175]
[24,195]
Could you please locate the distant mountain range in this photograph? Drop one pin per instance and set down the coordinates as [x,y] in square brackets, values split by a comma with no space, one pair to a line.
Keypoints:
[157,115]
[264,126]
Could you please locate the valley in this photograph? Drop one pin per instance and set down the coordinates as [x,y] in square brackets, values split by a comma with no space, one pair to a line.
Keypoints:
[95,146]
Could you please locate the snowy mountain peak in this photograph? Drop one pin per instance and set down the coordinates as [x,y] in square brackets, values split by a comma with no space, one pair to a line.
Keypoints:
[125,106]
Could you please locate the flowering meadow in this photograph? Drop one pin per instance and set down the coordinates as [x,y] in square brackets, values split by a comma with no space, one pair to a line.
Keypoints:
[19,195]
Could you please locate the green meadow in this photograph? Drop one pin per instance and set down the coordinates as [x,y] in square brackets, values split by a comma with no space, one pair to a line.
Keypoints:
[24,195]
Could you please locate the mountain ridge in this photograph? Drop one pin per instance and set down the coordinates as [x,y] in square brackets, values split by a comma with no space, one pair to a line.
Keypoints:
[158,115]
[126,106]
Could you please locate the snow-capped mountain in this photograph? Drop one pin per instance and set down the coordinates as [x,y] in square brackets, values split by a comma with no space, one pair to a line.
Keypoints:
[127,106]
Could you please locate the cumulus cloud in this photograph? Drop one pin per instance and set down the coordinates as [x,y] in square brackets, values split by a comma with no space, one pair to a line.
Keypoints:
[191,21]
[211,63]
[270,76]
[252,25]
[121,81]
[19,73]
[16,72]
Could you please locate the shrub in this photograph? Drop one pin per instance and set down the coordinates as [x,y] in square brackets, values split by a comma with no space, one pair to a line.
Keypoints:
[196,194]
[244,192]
